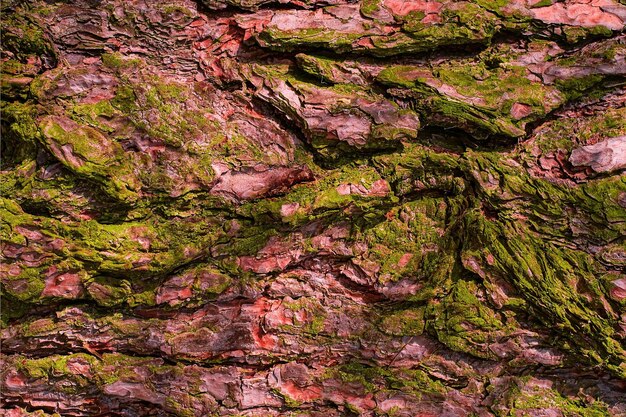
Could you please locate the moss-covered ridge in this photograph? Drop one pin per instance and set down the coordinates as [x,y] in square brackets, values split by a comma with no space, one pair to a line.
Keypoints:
[386,28]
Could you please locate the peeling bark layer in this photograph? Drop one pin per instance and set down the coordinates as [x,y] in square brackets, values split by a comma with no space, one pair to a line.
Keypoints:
[317,207]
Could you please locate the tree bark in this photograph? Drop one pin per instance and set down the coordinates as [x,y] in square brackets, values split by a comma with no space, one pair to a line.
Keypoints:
[316,207]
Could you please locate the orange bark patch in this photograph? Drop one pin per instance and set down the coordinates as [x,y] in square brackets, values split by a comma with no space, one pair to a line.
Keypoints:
[403,8]
[65,285]
[297,393]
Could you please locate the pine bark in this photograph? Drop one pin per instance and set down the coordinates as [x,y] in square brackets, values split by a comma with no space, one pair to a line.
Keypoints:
[316,207]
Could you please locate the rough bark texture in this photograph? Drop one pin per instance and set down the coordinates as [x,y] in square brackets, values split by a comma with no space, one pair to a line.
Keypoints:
[315,207]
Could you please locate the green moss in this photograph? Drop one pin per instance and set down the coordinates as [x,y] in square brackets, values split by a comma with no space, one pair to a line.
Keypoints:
[289,402]
[347,99]
[408,242]
[604,195]
[56,366]
[179,409]
[523,397]
[13,67]
[85,142]
[189,129]
[369,7]
[398,75]
[172,9]
[39,327]
[575,88]
[512,81]
[464,23]
[319,67]
[476,99]
[91,154]
[117,61]
[21,134]
[311,37]
[153,246]
[95,115]
[320,200]
[109,292]
[576,34]
[493,5]
[372,379]
[359,374]
[314,314]
[463,323]
[42,85]
[542,3]
[27,286]
[12,308]
[545,273]
[406,322]
[124,99]
[23,36]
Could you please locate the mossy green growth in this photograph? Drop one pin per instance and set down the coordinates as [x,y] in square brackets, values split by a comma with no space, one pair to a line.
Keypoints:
[372,379]
[600,199]
[21,135]
[343,100]
[576,34]
[289,40]
[309,315]
[39,327]
[23,284]
[407,243]
[95,115]
[12,308]
[289,402]
[556,135]
[172,9]
[87,144]
[575,88]
[57,367]
[61,370]
[27,286]
[526,396]
[117,61]
[92,155]
[404,322]
[172,123]
[205,281]
[321,68]
[510,81]
[15,67]
[465,323]
[153,247]
[14,87]
[494,6]
[23,36]
[180,117]
[420,169]
[108,291]
[542,3]
[475,98]
[463,23]
[548,276]
[323,200]
[369,7]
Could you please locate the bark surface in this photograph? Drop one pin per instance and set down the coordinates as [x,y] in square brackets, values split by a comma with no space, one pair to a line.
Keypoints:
[313,208]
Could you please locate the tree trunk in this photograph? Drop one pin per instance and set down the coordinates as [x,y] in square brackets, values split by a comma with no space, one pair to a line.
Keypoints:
[313,207]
